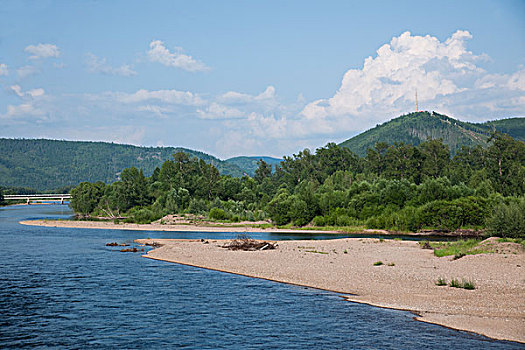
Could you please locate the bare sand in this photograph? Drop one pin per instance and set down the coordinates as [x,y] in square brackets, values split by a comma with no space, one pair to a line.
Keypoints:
[107,225]
[405,281]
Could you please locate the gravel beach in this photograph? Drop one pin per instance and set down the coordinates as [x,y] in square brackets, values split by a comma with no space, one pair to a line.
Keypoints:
[405,280]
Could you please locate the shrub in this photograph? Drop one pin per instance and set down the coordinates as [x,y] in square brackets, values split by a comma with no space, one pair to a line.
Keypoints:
[508,220]
[217,214]
[143,215]
[197,206]
[319,221]
[451,215]
[378,263]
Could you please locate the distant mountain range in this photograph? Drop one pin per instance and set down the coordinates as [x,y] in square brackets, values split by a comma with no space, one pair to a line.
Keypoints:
[414,128]
[51,164]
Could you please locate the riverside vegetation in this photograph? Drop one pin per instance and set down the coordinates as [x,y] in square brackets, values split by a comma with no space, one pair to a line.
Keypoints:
[397,187]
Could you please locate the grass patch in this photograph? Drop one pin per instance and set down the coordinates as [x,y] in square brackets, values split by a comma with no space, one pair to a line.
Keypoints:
[378,263]
[315,251]
[468,285]
[454,283]
[343,229]
[464,284]
[458,248]
[441,282]
[512,240]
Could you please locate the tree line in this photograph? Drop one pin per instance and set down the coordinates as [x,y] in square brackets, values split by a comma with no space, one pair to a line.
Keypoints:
[397,187]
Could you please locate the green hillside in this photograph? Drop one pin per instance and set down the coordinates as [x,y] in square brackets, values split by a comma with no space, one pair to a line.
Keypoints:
[514,127]
[414,128]
[249,164]
[50,164]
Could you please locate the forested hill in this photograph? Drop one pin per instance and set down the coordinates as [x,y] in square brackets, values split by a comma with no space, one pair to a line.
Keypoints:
[49,164]
[415,128]
[250,164]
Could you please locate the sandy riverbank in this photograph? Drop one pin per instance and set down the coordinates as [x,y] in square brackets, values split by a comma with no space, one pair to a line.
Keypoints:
[496,308]
[107,225]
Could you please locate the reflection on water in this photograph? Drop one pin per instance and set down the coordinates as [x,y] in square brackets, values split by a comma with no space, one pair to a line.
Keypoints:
[63,288]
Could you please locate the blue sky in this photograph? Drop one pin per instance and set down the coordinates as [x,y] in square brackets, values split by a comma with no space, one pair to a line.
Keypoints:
[252,77]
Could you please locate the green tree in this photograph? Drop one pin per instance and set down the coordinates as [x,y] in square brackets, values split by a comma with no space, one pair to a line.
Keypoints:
[506,164]
[263,171]
[86,196]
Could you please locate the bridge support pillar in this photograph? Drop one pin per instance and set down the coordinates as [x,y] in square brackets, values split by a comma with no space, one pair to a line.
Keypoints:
[61,200]
[28,201]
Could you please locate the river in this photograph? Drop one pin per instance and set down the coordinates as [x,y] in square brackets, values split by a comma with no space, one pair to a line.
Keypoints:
[63,288]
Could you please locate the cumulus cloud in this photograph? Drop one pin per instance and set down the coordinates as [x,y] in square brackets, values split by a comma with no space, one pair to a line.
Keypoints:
[159,53]
[443,73]
[42,51]
[99,65]
[448,77]
[3,69]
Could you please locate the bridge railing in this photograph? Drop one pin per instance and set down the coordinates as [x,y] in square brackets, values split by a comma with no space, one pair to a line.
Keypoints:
[22,196]
[44,197]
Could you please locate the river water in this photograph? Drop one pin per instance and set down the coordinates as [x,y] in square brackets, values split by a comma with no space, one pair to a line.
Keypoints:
[63,288]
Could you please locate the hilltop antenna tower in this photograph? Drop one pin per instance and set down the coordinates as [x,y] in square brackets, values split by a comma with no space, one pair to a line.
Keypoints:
[417,108]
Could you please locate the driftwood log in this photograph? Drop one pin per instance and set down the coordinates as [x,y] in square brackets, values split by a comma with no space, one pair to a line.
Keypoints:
[249,244]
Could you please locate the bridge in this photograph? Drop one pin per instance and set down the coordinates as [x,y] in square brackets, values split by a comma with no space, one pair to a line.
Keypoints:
[38,197]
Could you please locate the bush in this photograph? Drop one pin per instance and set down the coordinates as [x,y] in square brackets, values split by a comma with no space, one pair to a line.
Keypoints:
[217,214]
[508,220]
[197,206]
[402,220]
[143,215]
[451,215]
[319,221]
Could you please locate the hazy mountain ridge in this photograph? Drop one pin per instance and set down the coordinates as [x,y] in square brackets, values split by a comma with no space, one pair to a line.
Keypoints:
[414,128]
[48,164]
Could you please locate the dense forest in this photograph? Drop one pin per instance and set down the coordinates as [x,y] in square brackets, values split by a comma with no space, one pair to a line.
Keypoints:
[414,128]
[53,165]
[398,187]
[36,166]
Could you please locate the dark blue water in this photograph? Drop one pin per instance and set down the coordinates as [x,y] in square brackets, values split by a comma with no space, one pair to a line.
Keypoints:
[62,288]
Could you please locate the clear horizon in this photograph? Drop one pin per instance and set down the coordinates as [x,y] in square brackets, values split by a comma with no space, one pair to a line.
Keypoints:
[244,78]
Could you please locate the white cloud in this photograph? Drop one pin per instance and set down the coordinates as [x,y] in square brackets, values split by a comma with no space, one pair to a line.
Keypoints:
[158,110]
[3,69]
[24,109]
[218,111]
[99,65]
[30,93]
[386,84]
[26,71]
[237,97]
[42,51]
[159,53]
[167,96]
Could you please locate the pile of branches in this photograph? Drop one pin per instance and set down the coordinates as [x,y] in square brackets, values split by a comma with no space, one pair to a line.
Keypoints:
[243,242]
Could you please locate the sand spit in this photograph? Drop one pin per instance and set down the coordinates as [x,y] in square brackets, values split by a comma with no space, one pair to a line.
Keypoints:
[107,225]
[405,280]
